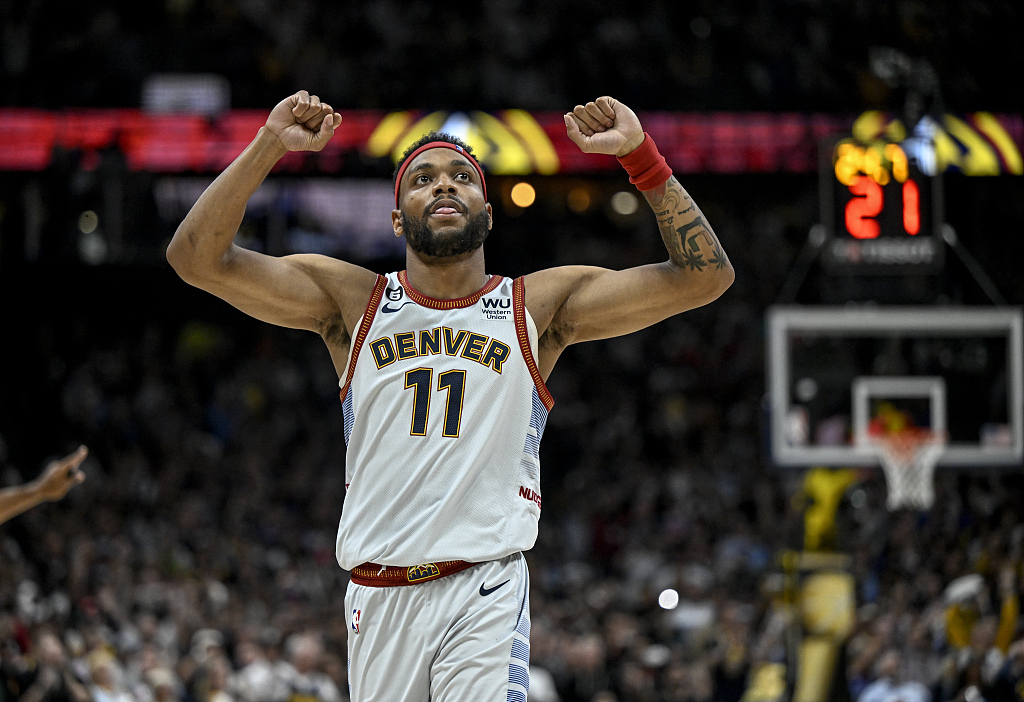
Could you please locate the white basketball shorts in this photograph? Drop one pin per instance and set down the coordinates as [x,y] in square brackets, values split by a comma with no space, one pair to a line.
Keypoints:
[462,637]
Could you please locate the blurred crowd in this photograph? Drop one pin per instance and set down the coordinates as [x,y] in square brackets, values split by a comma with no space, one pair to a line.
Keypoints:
[809,55]
[196,562]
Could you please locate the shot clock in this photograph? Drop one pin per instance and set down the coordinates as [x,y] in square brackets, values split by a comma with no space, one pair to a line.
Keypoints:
[881,211]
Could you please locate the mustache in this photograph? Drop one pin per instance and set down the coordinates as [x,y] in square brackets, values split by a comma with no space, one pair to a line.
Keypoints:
[453,198]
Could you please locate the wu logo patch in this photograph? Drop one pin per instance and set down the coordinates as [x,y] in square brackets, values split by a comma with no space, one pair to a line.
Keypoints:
[356,615]
[496,308]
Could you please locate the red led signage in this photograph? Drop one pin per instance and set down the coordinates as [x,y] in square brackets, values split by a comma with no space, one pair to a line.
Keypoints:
[510,141]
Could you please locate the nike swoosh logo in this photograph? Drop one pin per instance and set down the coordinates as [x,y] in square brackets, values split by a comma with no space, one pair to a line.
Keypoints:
[388,308]
[485,591]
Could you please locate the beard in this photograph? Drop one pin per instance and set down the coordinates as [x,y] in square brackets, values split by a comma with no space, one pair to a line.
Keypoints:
[423,241]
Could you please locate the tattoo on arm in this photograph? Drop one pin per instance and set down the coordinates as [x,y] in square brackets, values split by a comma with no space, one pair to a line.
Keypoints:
[690,240]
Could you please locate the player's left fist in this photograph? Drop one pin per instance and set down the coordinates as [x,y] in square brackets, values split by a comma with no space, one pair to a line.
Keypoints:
[604,126]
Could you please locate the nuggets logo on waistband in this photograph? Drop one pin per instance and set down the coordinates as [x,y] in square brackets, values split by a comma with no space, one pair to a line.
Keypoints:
[433,342]
[423,572]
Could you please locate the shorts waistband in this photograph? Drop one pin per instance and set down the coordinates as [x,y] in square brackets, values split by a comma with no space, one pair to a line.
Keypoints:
[373,575]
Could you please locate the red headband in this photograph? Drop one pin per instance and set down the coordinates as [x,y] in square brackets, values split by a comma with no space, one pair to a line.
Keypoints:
[438,145]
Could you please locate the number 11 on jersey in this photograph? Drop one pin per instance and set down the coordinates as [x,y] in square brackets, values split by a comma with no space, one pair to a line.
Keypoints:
[420,380]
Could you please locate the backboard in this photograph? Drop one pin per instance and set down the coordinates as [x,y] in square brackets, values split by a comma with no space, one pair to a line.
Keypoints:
[955,370]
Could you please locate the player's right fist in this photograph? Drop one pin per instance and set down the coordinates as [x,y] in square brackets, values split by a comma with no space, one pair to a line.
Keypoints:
[302,122]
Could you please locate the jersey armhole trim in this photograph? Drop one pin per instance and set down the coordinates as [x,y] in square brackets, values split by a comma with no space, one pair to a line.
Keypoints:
[364,330]
[523,334]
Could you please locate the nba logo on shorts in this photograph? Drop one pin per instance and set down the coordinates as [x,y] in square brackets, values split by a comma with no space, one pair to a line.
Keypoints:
[356,614]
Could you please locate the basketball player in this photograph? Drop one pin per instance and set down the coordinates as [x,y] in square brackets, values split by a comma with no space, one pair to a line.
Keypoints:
[55,482]
[442,370]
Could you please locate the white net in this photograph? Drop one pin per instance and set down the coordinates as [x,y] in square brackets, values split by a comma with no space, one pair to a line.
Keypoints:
[908,460]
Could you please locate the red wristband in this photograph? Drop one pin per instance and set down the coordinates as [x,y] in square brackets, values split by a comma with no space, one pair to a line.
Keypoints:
[646,167]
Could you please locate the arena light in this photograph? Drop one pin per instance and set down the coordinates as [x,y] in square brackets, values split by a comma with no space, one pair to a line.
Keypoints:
[92,248]
[625,203]
[88,221]
[578,200]
[523,194]
[911,207]
[668,599]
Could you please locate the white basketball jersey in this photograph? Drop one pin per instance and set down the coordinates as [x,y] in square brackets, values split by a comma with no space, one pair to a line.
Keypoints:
[444,412]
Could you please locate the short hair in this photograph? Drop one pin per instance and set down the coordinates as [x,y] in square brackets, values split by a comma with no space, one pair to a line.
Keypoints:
[426,139]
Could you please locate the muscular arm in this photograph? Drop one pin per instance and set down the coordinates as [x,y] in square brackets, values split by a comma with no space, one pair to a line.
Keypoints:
[571,304]
[302,291]
[690,240]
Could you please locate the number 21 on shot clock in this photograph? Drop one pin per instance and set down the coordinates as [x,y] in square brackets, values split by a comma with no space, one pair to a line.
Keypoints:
[882,211]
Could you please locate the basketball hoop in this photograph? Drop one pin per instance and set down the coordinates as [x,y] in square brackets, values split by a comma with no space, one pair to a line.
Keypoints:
[908,458]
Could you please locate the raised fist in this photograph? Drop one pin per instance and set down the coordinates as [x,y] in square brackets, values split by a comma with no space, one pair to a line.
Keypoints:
[604,126]
[302,122]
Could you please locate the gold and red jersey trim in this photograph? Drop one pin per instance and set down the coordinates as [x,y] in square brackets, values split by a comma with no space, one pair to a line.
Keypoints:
[364,329]
[519,312]
[436,304]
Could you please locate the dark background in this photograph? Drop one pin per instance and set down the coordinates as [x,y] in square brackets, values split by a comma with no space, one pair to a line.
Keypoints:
[735,55]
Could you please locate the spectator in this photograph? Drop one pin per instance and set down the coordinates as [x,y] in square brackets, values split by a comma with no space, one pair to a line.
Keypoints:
[105,684]
[257,680]
[305,680]
[888,687]
[1009,678]
[51,679]
[163,685]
